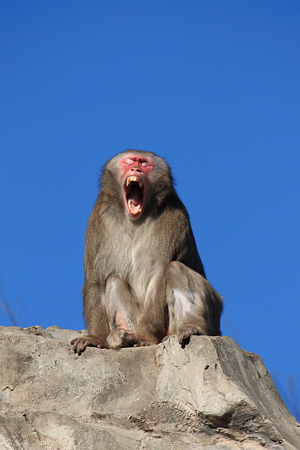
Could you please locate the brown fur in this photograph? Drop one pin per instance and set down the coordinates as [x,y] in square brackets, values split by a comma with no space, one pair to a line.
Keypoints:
[144,279]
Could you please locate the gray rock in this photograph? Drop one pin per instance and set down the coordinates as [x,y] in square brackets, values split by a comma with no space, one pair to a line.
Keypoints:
[209,395]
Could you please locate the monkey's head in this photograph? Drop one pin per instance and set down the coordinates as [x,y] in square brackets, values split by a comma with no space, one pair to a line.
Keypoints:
[142,181]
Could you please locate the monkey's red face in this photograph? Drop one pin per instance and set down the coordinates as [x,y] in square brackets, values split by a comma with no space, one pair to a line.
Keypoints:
[135,171]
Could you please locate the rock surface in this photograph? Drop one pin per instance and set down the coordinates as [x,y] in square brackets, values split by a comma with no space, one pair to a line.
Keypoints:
[209,395]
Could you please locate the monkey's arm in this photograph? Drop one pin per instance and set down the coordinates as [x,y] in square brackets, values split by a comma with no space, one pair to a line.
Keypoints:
[94,288]
[177,237]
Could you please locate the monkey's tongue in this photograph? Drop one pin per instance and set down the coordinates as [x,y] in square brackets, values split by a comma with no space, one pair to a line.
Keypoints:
[134,209]
[134,206]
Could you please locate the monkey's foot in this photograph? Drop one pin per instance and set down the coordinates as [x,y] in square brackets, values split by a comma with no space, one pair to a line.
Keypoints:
[146,342]
[80,344]
[143,344]
[144,339]
[121,338]
[186,331]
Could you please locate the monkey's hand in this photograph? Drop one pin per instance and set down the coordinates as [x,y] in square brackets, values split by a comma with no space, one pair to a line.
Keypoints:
[80,344]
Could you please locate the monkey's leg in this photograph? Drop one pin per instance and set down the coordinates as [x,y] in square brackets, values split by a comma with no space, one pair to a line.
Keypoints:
[194,306]
[109,320]
[95,317]
[153,323]
[122,312]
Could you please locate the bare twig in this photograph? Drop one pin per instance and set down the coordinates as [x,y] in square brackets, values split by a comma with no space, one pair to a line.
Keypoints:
[5,306]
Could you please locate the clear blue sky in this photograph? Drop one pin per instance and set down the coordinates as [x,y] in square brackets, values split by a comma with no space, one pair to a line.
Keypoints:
[212,86]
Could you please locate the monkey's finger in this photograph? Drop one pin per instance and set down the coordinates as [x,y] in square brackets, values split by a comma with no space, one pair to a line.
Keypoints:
[142,344]
[182,337]
[79,345]
[187,331]
[82,345]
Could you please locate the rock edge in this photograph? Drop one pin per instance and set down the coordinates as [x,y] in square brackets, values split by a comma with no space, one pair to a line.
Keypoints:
[210,394]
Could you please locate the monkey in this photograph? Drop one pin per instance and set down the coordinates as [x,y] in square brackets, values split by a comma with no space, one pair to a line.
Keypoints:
[143,277]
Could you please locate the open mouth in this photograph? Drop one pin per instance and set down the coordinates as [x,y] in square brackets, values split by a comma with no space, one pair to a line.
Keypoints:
[134,195]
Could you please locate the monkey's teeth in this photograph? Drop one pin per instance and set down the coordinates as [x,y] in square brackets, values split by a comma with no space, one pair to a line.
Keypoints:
[131,179]
[133,209]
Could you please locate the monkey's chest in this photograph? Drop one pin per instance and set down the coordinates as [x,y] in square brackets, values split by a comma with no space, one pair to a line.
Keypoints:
[137,259]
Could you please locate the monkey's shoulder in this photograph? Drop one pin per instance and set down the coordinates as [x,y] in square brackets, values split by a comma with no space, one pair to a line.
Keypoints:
[174,214]
[104,211]
[172,226]
[175,225]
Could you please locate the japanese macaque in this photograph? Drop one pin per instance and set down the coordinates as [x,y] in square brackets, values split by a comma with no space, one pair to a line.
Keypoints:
[144,279]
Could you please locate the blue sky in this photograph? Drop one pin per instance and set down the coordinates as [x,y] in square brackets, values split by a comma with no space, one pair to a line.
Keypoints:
[214,88]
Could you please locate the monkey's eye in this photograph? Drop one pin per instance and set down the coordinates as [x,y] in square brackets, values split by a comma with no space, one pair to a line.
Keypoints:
[129,161]
[144,163]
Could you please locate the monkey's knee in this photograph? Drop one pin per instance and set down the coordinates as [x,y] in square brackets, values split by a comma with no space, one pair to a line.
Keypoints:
[115,284]
[174,268]
[186,295]
[179,276]
[117,290]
